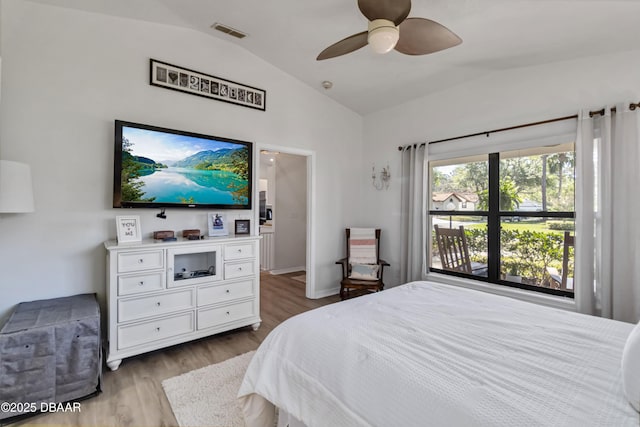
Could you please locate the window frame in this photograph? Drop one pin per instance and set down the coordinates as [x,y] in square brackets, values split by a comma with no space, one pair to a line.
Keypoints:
[494,218]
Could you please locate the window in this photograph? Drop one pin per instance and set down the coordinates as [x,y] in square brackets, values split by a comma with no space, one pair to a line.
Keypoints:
[518,220]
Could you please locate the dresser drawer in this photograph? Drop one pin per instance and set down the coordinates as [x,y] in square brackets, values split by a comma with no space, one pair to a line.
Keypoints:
[154,305]
[239,269]
[239,251]
[227,292]
[139,283]
[210,317]
[155,330]
[140,261]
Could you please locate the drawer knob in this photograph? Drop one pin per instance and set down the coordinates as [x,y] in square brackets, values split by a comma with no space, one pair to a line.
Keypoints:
[239,268]
[228,291]
[239,250]
[228,313]
[158,303]
[158,329]
[141,283]
[140,261]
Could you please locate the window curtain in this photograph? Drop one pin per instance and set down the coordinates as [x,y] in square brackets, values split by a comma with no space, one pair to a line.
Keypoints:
[413,213]
[607,219]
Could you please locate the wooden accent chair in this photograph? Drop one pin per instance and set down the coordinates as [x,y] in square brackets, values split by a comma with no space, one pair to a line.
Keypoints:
[454,254]
[359,279]
[562,281]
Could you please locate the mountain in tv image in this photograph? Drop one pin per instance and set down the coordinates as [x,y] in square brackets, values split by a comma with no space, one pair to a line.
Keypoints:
[203,158]
[211,176]
[145,163]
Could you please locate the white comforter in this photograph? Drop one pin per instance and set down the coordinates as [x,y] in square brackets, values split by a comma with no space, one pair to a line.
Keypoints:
[426,354]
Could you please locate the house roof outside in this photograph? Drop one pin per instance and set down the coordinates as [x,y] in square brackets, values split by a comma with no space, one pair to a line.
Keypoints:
[463,197]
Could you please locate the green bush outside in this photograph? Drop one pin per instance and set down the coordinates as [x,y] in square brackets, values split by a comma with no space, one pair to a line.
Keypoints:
[561,225]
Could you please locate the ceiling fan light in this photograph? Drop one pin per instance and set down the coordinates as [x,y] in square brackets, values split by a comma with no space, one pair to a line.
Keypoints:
[383,35]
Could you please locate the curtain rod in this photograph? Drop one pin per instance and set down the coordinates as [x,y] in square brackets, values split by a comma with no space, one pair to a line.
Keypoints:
[613,110]
[557,119]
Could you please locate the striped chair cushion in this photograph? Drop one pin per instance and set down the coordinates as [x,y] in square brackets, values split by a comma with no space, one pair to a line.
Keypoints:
[362,246]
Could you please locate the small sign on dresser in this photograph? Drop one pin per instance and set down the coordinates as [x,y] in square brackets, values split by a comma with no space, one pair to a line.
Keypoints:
[128,229]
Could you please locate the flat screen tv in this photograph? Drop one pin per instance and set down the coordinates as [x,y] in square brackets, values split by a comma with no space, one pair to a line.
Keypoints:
[156,167]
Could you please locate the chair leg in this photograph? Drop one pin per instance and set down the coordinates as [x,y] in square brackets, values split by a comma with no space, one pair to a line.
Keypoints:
[342,293]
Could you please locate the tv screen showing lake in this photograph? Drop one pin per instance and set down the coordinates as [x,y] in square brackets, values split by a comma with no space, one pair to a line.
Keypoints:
[182,185]
[170,168]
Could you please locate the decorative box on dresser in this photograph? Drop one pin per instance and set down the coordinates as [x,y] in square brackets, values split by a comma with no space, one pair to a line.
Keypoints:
[166,293]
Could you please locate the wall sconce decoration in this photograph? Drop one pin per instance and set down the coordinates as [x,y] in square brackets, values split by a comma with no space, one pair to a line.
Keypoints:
[383,178]
[16,190]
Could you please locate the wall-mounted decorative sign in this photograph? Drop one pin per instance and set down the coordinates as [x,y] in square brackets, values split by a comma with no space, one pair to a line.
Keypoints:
[196,83]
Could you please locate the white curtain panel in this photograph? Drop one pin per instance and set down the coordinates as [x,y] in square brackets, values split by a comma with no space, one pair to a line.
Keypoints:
[413,211]
[608,220]
[585,257]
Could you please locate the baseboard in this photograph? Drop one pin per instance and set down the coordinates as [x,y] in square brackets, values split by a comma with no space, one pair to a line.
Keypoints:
[287,270]
[326,293]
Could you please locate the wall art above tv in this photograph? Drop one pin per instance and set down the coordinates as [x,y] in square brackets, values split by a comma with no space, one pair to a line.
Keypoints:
[156,167]
[196,83]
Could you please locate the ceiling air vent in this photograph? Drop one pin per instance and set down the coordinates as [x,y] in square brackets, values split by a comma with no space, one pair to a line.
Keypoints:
[228,30]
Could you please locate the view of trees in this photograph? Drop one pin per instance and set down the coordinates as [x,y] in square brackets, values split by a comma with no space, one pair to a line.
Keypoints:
[547,179]
[544,181]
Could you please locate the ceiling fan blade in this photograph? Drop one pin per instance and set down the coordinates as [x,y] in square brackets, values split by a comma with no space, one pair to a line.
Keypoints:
[420,36]
[391,10]
[344,46]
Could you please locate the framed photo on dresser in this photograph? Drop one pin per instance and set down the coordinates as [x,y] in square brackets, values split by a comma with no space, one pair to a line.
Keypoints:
[217,224]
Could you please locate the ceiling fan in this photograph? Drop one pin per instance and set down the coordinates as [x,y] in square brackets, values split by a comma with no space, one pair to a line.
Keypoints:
[390,28]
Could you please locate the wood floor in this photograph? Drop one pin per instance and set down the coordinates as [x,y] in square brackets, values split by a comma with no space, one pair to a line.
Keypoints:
[133,395]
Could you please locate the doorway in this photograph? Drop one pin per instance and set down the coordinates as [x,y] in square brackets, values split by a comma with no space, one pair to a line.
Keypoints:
[286,180]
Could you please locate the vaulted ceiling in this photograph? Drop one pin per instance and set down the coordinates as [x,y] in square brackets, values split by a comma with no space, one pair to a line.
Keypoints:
[497,35]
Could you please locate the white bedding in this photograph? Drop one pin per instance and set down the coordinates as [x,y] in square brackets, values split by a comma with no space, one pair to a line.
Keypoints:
[431,354]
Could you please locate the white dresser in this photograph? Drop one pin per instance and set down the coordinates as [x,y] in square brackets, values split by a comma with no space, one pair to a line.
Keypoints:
[165,293]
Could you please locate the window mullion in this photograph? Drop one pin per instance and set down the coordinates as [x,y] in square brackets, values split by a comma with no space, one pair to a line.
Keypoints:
[493,220]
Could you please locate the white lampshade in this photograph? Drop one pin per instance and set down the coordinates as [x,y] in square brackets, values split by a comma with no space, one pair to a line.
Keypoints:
[383,35]
[16,191]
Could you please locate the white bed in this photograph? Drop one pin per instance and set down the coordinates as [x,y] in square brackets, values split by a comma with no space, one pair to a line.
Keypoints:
[431,354]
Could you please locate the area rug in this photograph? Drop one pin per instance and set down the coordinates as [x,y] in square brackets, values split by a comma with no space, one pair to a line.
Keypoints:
[207,396]
[302,278]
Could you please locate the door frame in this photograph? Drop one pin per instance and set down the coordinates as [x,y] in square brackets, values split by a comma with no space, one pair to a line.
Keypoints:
[310,155]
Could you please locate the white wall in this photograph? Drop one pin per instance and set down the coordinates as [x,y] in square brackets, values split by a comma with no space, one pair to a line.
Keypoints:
[290,212]
[66,75]
[498,100]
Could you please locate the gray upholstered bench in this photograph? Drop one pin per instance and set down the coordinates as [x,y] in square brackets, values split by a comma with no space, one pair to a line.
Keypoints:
[50,351]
